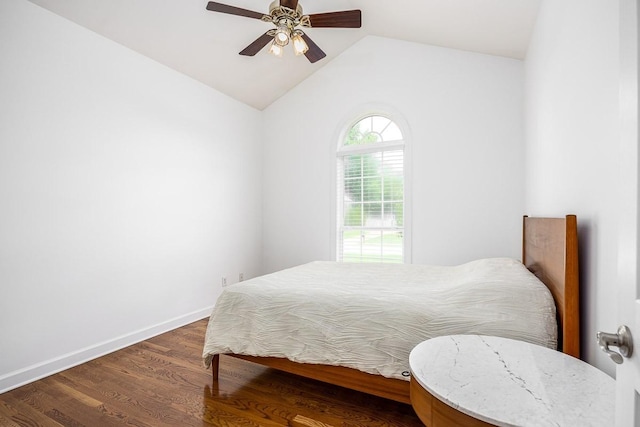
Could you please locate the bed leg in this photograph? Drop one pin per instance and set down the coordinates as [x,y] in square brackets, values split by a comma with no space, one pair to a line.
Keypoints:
[215,367]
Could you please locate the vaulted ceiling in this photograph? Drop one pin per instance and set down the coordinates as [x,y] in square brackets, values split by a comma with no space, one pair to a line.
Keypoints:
[186,37]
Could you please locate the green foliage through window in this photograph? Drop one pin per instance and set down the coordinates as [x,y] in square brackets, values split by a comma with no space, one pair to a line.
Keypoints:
[371,187]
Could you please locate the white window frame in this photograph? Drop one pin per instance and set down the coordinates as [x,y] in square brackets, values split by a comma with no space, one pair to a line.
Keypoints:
[337,148]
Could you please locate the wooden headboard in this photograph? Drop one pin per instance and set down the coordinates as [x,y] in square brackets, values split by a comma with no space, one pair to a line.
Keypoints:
[550,251]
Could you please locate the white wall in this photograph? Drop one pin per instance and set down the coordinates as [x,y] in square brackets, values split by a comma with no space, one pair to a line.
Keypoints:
[127,190]
[572,139]
[464,116]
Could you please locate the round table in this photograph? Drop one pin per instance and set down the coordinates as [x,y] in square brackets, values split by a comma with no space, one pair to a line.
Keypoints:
[472,380]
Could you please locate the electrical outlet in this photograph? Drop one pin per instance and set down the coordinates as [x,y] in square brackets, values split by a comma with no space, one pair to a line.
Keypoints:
[241,277]
[224,281]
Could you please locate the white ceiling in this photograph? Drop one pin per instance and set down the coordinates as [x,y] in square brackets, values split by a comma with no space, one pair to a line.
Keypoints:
[183,35]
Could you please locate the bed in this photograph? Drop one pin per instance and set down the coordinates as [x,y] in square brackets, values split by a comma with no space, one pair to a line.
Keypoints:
[354,325]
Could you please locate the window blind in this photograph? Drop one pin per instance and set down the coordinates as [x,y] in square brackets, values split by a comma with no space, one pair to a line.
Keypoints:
[371,200]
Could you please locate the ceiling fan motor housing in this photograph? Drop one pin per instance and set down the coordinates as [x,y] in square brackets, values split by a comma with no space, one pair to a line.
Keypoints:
[276,5]
[286,18]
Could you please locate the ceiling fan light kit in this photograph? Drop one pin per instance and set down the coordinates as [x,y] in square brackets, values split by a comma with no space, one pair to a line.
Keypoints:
[281,38]
[287,15]
[299,45]
[276,50]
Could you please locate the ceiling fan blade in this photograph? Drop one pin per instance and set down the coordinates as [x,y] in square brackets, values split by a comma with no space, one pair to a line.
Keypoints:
[314,54]
[291,4]
[257,45]
[343,19]
[232,10]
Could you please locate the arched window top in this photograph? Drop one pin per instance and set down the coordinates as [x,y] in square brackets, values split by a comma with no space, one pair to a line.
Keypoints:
[372,129]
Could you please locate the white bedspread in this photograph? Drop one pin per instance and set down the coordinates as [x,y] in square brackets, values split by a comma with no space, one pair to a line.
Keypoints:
[370,316]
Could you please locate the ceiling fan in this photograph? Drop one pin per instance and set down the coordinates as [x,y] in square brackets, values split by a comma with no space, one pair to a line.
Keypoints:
[287,16]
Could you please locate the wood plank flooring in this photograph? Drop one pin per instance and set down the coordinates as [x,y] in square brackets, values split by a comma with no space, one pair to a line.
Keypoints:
[162,382]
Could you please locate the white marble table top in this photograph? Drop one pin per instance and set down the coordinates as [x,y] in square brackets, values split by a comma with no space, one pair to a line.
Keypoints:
[513,383]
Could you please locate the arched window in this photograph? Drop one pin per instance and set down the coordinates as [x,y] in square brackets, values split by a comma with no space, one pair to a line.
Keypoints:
[370,192]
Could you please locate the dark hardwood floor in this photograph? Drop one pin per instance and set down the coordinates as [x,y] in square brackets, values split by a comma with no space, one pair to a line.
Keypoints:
[162,382]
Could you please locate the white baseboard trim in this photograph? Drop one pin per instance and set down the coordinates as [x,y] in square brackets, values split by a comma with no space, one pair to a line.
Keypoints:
[35,372]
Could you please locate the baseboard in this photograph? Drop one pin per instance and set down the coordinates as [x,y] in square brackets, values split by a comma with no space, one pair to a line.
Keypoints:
[35,372]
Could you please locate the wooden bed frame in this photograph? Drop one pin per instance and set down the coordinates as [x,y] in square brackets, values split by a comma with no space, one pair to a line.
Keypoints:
[549,250]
